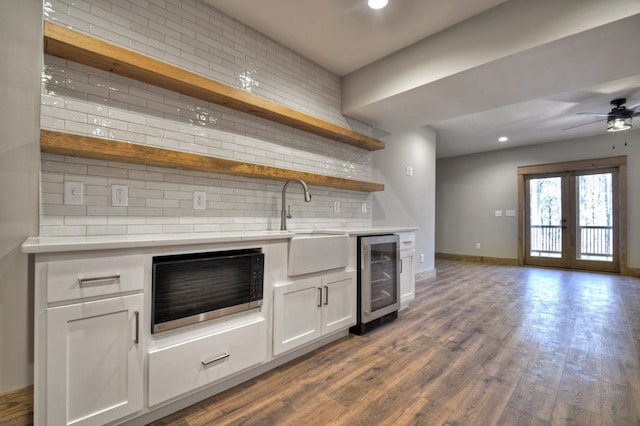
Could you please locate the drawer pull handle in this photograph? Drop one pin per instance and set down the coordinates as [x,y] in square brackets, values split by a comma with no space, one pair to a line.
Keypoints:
[215,359]
[137,338]
[95,280]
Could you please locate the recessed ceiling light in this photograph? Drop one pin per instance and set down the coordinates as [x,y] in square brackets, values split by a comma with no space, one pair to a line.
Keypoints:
[377,4]
[503,139]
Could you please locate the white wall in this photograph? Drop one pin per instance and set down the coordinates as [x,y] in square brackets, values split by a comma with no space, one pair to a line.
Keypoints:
[408,200]
[470,188]
[20,71]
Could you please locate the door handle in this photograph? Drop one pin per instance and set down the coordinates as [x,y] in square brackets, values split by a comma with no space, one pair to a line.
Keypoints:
[319,297]
[326,295]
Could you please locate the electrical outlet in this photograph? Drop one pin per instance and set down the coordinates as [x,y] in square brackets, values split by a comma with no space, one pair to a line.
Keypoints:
[336,206]
[477,246]
[364,208]
[421,257]
[119,195]
[409,171]
[199,200]
[74,193]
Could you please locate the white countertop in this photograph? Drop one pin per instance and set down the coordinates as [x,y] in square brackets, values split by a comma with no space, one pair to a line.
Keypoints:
[365,231]
[108,242]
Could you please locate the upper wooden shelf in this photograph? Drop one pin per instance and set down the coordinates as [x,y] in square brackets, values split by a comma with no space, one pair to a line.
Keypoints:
[111,150]
[87,50]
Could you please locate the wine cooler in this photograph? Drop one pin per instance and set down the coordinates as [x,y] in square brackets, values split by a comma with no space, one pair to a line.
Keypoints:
[378,281]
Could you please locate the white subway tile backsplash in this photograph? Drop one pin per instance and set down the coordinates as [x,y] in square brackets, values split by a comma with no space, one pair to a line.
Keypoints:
[126,220]
[162,220]
[144,229]
[86,220]
[192,35]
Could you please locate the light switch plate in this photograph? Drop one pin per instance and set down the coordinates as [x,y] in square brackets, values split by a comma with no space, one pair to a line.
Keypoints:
[74,193]
[498,213]
[409,171]
[511,213]
[336,206]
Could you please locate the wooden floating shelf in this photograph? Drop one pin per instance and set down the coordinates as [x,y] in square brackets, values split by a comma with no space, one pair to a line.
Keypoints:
[106,149]
[87,50]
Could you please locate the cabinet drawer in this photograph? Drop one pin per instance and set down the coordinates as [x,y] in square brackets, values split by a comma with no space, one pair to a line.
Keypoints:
[184,367]
[407,240]
[100,276]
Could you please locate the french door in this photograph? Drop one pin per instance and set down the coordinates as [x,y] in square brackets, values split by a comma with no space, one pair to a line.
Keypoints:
[572,218]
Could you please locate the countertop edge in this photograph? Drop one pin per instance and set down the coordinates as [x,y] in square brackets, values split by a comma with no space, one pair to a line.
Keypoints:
[36,245]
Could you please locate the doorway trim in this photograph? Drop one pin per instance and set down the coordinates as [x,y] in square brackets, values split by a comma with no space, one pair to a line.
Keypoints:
[619,163]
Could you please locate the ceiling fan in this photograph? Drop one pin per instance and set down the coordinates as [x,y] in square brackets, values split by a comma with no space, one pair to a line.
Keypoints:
[619,118]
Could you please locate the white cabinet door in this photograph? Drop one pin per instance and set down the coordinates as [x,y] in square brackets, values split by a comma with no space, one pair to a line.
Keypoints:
[407,277]
[339,301]
[94,361]
[307,309]
[296,314]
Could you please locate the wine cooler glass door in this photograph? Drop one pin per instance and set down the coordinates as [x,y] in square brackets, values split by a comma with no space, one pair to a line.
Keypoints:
[380,278]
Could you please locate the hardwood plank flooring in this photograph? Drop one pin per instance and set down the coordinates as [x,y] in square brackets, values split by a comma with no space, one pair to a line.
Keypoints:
[481,345]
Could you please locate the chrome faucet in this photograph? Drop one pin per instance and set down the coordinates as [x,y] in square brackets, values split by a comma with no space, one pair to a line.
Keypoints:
[284,214]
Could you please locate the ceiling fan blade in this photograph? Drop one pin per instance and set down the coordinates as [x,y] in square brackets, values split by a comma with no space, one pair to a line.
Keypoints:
[632,107]
[597,114]
[583,124]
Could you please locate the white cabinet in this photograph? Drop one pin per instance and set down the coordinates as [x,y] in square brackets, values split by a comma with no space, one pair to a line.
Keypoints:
[94,361]
[407,268]
[89,355]
[309,308]
[407,277]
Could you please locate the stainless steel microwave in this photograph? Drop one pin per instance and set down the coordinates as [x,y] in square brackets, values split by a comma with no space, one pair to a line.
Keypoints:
[191,288]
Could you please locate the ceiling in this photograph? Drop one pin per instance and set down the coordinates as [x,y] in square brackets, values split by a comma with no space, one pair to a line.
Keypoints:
[473,70]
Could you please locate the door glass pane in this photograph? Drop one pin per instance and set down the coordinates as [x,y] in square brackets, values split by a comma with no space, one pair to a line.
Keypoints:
[545,222]
[595,217]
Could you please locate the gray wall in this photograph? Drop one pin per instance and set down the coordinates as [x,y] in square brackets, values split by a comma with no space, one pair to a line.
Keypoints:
[470,188]
[408,200]
[20,73]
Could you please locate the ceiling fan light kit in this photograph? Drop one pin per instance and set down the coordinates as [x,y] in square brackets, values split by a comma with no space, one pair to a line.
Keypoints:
[617,124]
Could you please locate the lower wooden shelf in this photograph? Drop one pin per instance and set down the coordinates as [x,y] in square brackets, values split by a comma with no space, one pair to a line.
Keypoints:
[111,150]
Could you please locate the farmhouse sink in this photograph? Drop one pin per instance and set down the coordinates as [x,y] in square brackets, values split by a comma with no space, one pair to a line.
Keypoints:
[310,252]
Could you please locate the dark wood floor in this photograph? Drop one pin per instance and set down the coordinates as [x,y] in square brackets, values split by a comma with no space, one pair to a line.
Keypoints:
[480,345]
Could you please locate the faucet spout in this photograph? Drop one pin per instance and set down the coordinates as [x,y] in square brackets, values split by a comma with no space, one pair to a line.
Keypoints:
[283,212]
